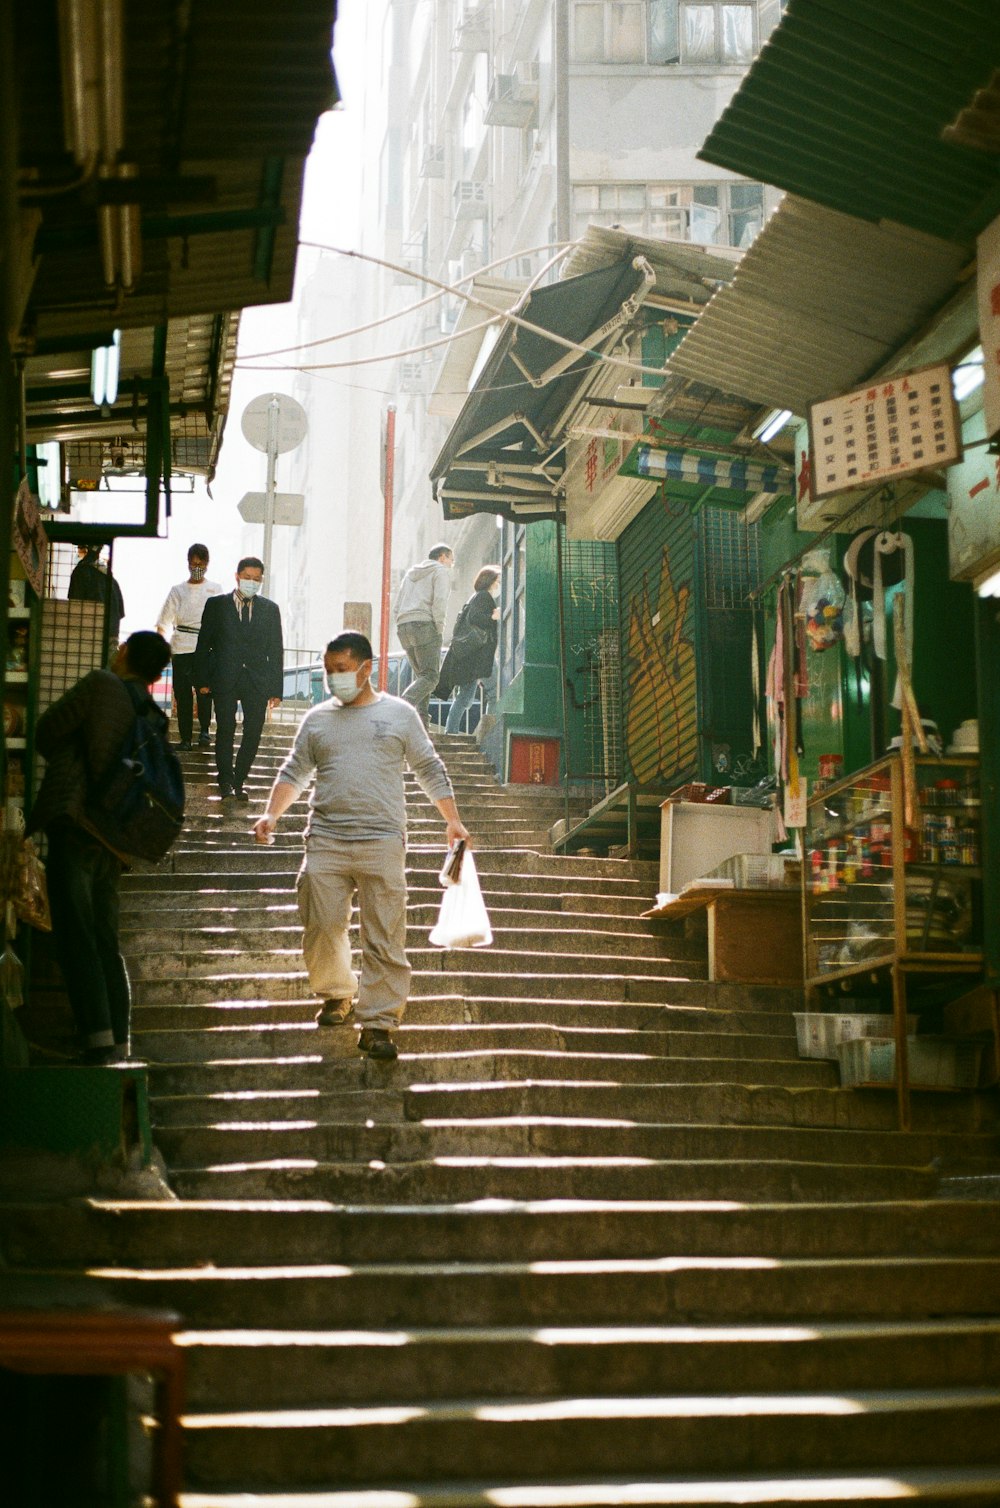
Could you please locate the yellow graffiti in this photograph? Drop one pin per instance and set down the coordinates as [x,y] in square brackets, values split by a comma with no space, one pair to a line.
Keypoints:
[660,725]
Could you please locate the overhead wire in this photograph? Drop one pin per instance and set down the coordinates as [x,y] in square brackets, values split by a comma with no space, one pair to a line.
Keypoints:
[510,316]
[385,319]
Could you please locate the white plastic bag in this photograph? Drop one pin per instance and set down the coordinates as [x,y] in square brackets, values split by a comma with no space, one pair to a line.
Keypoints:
[463,921]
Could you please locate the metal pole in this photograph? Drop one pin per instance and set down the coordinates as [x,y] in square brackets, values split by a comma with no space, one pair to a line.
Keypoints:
[273,411]
[390,455]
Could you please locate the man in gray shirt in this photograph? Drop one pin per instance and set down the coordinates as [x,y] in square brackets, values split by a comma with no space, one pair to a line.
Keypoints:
[357,744]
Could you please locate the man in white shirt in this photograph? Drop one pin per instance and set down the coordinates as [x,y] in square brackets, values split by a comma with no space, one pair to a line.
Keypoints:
[182,613]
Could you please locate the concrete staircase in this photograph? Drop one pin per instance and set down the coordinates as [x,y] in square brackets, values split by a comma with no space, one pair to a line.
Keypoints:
[598,1238]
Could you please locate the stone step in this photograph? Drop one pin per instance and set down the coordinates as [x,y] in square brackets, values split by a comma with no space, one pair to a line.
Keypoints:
[708,1103]
[189,1129]
[157,890]
[806,1244]
[455,973]
[503,960]
[560,936]
[277,1369]
[936,1487]
[464,1071]
[445,1011]
[297,1169]
[622,876]
[436,1038]
[212,914]
[553,1437]
[567,1292]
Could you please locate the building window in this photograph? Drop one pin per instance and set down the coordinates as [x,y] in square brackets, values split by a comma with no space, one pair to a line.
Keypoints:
[712,214]
[667,31]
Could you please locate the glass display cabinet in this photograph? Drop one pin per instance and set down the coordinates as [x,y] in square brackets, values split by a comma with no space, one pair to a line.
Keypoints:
[889,899]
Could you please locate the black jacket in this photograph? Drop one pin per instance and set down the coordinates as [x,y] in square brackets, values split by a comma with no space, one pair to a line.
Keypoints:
[226,646]
[89,583]
[464,662]
[80,736]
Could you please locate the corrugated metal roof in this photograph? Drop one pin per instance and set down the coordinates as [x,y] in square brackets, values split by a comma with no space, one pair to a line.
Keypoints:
[685,271]
[819,301]
[847,102]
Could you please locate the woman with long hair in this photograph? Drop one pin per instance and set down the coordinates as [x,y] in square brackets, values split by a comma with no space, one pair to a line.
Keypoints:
[470,658]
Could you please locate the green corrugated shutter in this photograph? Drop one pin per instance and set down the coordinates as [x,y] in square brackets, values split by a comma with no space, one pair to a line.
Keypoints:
[656,557]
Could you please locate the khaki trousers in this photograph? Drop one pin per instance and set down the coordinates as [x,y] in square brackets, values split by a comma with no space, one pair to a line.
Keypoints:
[328,879]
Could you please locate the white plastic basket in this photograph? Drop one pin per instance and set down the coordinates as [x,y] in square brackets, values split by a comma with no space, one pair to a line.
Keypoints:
[757,871]
[932,1063]
[819,1033]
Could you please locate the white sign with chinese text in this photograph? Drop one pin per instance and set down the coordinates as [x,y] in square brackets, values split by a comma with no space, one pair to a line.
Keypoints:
[988,287]
[888,429]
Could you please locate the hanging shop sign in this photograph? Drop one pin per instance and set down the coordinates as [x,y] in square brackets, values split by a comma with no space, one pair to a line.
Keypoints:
[974,508]
[988,287]
[891,428]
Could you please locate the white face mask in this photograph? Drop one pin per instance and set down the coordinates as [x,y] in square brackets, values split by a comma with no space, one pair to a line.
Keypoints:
[248,587]
[344,684]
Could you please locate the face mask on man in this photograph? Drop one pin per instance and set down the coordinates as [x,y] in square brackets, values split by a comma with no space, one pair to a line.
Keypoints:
[197,573]
[248,587]
[344,685]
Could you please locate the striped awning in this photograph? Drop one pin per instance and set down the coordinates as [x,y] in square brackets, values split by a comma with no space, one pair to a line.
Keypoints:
[732,472]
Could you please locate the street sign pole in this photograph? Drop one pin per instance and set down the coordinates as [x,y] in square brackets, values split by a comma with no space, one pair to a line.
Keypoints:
[387,491]
[273,410]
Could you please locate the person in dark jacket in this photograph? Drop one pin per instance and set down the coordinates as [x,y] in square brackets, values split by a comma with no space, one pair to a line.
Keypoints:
[470,659]
[92,581]
[240,661]
[80,736]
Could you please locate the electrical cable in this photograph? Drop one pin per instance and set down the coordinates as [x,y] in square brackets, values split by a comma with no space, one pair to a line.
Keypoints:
[510,316]
[385,319]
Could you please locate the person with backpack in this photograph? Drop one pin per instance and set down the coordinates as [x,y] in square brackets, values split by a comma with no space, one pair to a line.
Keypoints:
[109,779]
[472,652]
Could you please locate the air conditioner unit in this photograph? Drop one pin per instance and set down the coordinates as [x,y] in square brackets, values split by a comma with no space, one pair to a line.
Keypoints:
[472,33]
[526,74]
[510,104]
[414,376]
[432,162]
[470,199]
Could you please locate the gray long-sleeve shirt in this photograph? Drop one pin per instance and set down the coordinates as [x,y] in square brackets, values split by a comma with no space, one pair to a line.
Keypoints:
[358,754]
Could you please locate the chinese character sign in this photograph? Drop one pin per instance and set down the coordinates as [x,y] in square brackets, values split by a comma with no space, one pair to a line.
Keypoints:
[988,276]
[890,428]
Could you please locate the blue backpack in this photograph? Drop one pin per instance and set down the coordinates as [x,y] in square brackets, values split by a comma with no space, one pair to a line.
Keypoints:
[141,797]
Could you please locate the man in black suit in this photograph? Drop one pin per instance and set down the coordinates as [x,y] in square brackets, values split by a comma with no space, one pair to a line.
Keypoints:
[239,658]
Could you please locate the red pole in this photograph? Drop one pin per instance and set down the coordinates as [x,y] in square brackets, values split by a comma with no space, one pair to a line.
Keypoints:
[390,455]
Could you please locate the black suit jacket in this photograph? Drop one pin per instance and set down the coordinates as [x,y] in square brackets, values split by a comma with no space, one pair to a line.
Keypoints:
[226,647]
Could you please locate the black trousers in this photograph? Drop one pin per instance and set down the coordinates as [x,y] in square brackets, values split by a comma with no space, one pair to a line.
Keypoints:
[185,691]
[243,694]
[83,878]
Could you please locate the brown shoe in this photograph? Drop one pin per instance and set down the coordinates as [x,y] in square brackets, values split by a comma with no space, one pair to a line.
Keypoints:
[334,1012]
[376,1043]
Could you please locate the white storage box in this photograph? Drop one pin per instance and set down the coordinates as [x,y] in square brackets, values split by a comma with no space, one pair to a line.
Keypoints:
[819,1033]
[696,836]
[933,1063]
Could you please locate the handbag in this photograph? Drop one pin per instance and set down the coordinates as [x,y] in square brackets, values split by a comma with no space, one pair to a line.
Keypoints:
[468,636]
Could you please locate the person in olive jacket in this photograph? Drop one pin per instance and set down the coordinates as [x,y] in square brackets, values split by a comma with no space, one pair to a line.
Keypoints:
[470,658]
[81,735]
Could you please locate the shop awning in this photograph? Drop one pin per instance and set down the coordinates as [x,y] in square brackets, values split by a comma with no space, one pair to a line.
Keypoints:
[819,302]
[504,454]
[847,105]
